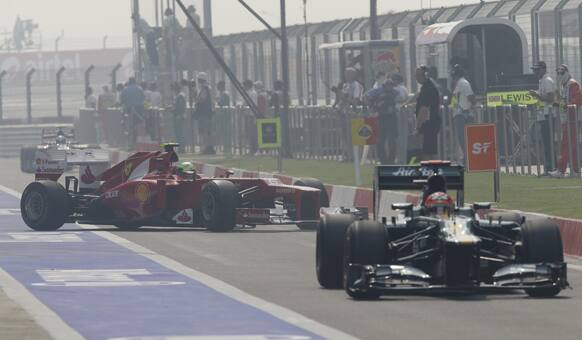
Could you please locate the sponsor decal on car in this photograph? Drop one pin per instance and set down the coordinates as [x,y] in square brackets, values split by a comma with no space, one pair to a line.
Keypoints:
[284,190]
[111,194]
[185,216]
[142,192]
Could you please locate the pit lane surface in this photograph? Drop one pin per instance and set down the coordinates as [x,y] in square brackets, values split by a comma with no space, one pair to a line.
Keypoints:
[277,264]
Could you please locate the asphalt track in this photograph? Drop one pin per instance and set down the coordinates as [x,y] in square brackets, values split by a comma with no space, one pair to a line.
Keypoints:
[276,264]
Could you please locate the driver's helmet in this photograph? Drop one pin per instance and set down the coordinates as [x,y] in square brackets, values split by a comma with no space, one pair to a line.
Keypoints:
[439,204]
[185,168]
[61,139]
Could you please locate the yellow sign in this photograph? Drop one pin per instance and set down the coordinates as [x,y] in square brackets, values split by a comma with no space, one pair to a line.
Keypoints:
[269,133]
[496,99]
[365,131]
[142,192]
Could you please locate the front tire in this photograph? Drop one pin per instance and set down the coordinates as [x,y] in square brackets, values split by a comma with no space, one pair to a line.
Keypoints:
[316,184]
[365,244]
[219,202]
[45,205]
[542,242]
[329,250]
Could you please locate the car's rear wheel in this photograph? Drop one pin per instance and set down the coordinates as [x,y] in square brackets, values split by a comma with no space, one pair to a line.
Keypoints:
[329,250]
[28,159]
[365,244]
[323,200]
[219,202]
[45,205]
[541,242]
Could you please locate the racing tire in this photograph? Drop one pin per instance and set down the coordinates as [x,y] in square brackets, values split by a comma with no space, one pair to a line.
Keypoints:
[316,184]
[366,243]
[219,202]
[45,205]
[541,242]
[28,159]
[323,199]
[329,250]
[506,216]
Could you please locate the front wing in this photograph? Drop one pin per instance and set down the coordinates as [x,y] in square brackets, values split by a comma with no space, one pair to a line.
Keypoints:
[392,278]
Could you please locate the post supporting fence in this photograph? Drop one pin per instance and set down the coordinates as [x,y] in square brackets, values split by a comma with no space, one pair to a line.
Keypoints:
[60,92]
[29,94]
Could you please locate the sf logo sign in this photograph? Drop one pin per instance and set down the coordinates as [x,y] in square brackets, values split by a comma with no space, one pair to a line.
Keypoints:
[481,148]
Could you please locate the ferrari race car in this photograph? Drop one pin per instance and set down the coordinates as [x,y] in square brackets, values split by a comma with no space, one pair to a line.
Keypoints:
[151,188]
[437,245]
[58,145]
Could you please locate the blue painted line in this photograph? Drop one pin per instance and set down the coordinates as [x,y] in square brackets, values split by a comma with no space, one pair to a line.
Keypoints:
[149,300]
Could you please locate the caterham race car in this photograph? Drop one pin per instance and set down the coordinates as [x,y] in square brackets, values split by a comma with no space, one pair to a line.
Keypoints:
[154,189]
[58,145]
[439,245]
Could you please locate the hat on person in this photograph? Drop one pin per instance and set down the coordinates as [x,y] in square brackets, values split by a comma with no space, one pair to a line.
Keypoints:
[202,76]
[259,85]
[539,64]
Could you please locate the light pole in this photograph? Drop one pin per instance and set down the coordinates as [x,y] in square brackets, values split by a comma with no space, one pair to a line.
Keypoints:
[374,20]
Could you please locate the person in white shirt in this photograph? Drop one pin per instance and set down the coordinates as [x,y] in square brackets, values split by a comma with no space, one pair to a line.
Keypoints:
[90,99]
[380,79]
[464,98]
[352,90]
[546,94]
[155,96]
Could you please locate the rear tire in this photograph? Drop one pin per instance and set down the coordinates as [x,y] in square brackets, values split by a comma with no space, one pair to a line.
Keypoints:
[365,244]
[28,159]
[329,250]
[219,202]
[45,205]
[316,184]
[542,242]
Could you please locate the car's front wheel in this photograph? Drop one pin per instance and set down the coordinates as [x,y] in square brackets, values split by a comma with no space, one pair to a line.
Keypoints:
[366,243]
[329,250]
[219,202]
[45,205]
[541,242]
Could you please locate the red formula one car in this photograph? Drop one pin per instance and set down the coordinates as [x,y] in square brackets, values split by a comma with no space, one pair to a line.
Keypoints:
[150,188]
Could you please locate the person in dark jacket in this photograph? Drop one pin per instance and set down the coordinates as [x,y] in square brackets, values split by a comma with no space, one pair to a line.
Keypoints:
[428,116]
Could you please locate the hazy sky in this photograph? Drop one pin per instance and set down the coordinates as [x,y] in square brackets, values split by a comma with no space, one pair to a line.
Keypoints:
[97,18]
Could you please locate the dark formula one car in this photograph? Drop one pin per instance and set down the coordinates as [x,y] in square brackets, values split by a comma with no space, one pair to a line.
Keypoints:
[437,246]
[150,188]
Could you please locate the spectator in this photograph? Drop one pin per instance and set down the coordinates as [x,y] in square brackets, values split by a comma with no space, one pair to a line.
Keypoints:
[383,100]
[546,95]
[179,113]
[262,100]
[132,99]
[106,99]
[403,94]
[380,79]
[250,88]
[155,95]
[205,112]
[118,89]
[277,98]
[192,11]
[223,97]
[352,89]
[571,94]
[428,120]
[90,99]
[464,100]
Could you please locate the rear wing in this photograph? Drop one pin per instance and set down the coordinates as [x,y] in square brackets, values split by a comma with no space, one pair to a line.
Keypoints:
[414,177]
[410,177]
